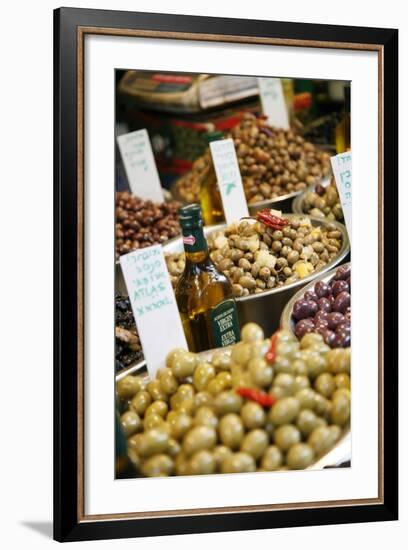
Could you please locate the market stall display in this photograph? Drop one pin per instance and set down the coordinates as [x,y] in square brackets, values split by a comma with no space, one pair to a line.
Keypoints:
[264,404]
[140,223]
[324,307]
[259,404]
[320,201]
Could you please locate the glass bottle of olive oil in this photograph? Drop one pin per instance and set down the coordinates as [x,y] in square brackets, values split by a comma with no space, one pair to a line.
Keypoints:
[204,295]
[343,128]
[210,197]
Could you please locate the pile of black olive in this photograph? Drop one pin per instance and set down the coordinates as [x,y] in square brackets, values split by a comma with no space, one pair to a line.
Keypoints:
[128,349]
[327,310]
[322,131]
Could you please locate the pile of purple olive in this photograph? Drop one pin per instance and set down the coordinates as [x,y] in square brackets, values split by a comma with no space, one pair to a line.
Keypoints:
[327,310]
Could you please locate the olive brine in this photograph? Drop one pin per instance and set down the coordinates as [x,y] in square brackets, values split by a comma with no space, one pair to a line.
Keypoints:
[204,295]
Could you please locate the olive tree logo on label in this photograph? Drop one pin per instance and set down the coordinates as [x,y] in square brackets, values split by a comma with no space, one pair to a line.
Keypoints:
[189,240]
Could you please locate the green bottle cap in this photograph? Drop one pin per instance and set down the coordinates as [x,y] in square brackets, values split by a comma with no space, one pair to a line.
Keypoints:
[190,216]
[216,135]
[191,222]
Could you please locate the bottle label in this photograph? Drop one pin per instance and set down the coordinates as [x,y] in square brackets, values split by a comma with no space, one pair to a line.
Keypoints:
[189,240]
[194,240]
[224,324]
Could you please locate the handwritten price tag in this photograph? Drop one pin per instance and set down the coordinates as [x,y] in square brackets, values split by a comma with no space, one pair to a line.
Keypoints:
[273,102]
[229,179]
[341,165]
[153,304]
[140,166]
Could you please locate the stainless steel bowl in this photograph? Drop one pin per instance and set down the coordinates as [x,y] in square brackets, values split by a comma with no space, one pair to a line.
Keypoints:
[137,369]
[265,308]
[286,321]
[282,203]
[337,456]
[298,201]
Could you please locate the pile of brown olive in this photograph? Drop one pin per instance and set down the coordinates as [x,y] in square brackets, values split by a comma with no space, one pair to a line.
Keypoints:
[257,258]
[239,411]
[140,223]
[273,162]
[327,310]
[175,265]
[323,202]
[188,186]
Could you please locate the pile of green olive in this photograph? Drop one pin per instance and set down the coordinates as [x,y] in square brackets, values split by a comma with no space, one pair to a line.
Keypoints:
[323,202]
[192,420]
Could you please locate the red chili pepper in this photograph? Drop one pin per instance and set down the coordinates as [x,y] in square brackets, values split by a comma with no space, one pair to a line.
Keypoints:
[264,399]
[271,353]
[270,220]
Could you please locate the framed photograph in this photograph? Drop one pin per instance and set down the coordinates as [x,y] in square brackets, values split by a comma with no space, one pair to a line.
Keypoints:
[216,182]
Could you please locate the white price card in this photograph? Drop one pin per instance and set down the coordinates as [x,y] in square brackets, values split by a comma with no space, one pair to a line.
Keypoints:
[273,102]
[229,179]
[341,166]
[153,304]
[140,166]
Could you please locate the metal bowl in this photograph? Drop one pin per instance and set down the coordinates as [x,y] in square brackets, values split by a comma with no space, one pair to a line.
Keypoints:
[339,455]
[265,308]
[298,201]
[286,321]
[284,203]
[137,369]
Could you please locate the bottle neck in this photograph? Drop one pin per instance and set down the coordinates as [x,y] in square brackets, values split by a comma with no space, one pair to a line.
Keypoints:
[195,244]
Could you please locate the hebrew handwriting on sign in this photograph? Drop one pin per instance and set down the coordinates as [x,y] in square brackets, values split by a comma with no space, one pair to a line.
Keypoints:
[153,304]
[273,102]
[229,187]
[229,179]
[342,170]
[140,166]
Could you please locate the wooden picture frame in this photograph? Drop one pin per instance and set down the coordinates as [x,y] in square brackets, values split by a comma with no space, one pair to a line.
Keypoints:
[70,28]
